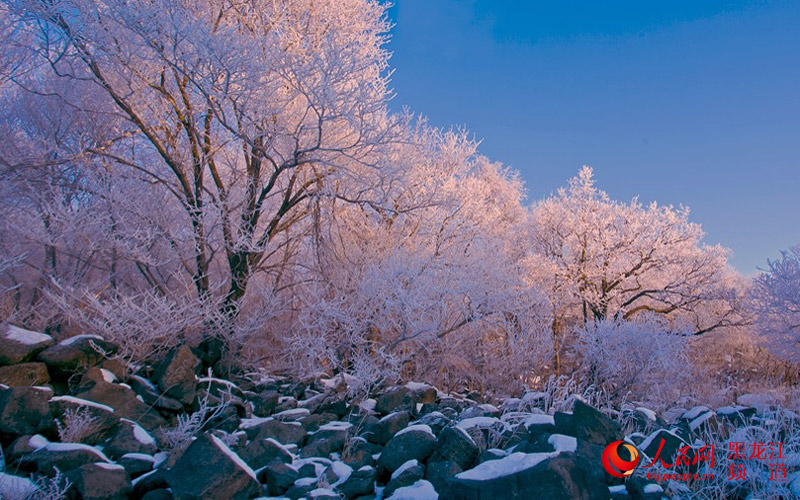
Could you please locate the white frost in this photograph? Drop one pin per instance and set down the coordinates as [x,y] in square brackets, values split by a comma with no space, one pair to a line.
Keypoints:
[407,465]
[108,376]
[535,419]
[37,441]
[16,487]
[480,422]
[511,464]
[562,443]
[336,426]
[417,427]
[141,435]
[57,447]
[26,337]
[83,402]
[110,466]
[76,338]
[694,412]
[421,490]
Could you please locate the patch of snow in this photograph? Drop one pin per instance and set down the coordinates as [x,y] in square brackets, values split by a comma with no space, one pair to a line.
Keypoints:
[26,337]
[322,492]
[421,490]
[417,386]
[139,456]
[140,478]
[233,456]
[83,402]
[57,447]
[368,405]
[76,338]
[42,388]
[110,466]
[647,412]
[293,413]
[538,420]
[464,432]
[562,443]
[406,465]
[16,487]
[37,441]
[653,488]
[336,426]
[306,481]
[342,471]
[694,412]
[142,435]
[108,376]
[489,408]
[249,423]
[417,427]
[697,422]
[480,422]
[618,489]
[511,464]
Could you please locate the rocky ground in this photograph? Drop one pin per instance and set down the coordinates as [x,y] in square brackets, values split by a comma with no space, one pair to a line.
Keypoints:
[76,423]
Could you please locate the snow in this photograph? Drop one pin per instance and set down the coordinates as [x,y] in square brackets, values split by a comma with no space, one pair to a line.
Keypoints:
[697,422]
[293,413]
[695,412]
[481,422]
[233,456]
[618,489]
[417,427]
[421,490]
[83,402]
[59,447]
[26,337]
[226,383]
[110,466]
[141,435]
[562,443]
[139,456]
[38,441]
[538,420]
[464,432]
[108,376]
[646,443]
[145,382]
[76,338]
[322,492]
[653,488]
[417,387]
[336,426]
[730,410]
[342,471]
[407,465]
[647,412]
[368,404]
[16,487]
[249,423]
[511,464]
[306,481]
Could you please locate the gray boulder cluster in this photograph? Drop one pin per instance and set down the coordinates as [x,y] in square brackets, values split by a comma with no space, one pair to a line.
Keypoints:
[70,412]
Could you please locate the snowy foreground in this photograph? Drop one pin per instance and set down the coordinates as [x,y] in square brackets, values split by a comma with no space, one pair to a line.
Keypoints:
[75,424]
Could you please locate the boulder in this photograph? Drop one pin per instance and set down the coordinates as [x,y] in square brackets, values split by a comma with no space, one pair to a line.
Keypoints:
[384,429]
[18,345]
[359,483]
[358,453]
[136,464]
[396,399]
[261,452]
[593,426]
[283,432]
[416,442]
[209,469]
[130,438]
[672,443]
[24,374]
[265,402]
[408,474]
[25,410]
[421,490]
[151,396]
[439,472]
[75,354]
[83,420]
[278,477]
[125,403]
[455,445]
[176,375]
[62,456]
[522,476]
[100,481]
[328,439]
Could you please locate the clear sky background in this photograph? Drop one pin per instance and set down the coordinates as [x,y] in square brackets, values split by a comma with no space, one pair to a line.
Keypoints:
[683,102]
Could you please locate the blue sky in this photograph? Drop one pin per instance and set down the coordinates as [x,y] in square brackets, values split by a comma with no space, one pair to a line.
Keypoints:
[681,102]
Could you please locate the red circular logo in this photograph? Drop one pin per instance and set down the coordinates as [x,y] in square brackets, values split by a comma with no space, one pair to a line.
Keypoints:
[614,464]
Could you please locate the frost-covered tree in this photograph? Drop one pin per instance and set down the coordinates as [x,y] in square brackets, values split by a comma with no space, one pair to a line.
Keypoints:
[241,112]
[600,259]
[776,294]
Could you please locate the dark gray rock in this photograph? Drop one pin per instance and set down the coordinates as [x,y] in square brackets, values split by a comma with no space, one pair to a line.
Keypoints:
[383,430]
[414,443]
[136,464]
[592,426]
[360,482]
[62,456]
[76,354]
[439,472]
[100,481]
[278,477]
[408,474]
[24,374]
[25,410]
[209,469]
[130,438]
[457,446]
[396,399]
[176,375]
[124,402]
[259,453]
[18,345]
[282,432]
